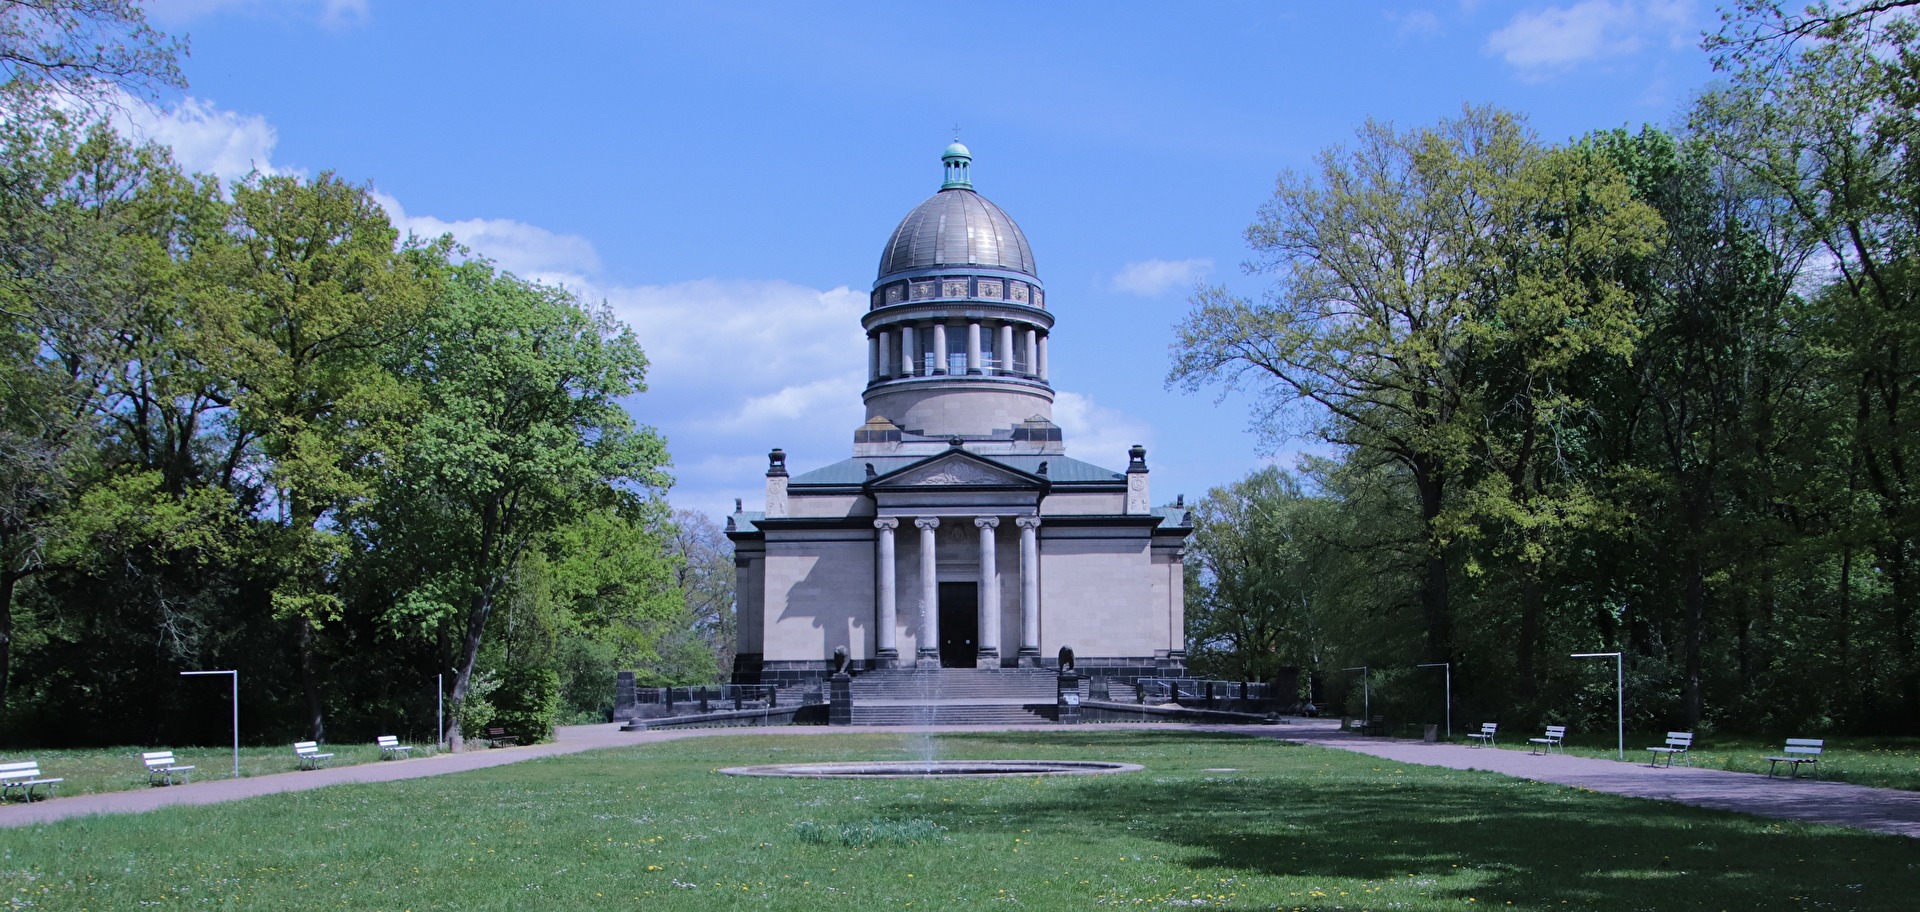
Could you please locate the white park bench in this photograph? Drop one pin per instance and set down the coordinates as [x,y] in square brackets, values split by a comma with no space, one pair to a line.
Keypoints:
[1551,740]
[1798,751]
[308,754]
[161,766]
[1678,744]
[1485,735]
[390,746]
[23,777]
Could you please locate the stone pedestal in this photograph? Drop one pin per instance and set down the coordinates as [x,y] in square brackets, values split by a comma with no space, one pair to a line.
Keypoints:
[1069,698]
[840,701]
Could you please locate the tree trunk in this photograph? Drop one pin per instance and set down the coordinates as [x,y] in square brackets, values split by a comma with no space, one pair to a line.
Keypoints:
[1898,585]
[469,654]
[1434,609]
[8,581]
[1694,590]
[310,680]
[1526,660]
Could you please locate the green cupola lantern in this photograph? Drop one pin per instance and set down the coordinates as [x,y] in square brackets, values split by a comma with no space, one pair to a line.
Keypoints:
[958,160]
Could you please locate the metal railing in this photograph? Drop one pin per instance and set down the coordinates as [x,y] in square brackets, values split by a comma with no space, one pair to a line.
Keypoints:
[1198,690]
[700,698]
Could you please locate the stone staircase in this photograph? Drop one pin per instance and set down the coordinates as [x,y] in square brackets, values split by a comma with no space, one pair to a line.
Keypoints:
[955,696]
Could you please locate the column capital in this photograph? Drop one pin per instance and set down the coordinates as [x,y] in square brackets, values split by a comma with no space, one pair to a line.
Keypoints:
[927,522]
[1027,522]
[987,522]
[888,523]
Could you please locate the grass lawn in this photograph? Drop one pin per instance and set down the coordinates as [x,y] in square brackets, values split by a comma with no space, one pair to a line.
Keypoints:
[118,769]
[1878,762]
[1215,821]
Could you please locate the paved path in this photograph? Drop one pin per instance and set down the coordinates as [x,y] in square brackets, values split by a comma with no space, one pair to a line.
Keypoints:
[1813,801]
[1838,804]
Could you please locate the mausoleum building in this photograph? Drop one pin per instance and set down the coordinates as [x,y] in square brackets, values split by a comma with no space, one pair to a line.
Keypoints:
[959,533]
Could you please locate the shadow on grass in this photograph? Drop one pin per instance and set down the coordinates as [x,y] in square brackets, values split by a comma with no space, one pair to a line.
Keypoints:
[1533,844]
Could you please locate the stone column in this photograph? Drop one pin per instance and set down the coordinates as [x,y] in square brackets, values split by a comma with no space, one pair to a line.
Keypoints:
[873,358]
[973,347]
[939,348]
[927,655]
[886,355]
[1040,366]
[989,654]
[887,651]
[1029,590]
[909,352]
[1033,347]
[1006,348]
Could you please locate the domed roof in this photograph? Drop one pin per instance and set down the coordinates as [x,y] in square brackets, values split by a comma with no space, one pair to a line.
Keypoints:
[957,227]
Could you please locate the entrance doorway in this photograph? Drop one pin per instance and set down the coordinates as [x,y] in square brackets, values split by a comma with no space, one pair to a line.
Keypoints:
[959,625]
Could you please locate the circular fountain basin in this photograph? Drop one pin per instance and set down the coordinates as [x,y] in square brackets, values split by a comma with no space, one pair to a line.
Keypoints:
[934,769]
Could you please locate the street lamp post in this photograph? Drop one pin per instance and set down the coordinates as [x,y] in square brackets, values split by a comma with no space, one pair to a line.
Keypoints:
[236,712]
[1449,669]
[1619,692]
[1366,695]
[440,709]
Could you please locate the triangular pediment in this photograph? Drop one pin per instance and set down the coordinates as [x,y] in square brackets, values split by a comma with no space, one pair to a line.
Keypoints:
[955,470]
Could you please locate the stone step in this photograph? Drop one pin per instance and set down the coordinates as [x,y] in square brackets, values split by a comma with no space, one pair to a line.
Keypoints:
[953,714]
[955,683]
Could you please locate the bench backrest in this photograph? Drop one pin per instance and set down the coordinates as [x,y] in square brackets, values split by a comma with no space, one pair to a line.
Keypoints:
[1680,740]
[1488,728]
[306,747]
[29,769]
[388,741]
[1556,732]
[1809,746]
[157,758]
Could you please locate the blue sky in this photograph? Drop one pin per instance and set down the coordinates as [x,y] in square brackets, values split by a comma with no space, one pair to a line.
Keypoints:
[723,175]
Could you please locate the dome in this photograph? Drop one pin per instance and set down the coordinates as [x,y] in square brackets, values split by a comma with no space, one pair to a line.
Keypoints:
[957,227]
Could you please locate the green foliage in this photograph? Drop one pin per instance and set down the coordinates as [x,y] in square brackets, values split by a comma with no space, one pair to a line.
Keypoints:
[527,703]
[1646,392]
[475,710]
[260,430]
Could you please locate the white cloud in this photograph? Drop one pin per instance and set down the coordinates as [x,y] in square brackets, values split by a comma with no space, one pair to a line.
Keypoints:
[1154,277]
[804,402]
[1098,434]
[518,247]
[1541,41]
[743,336]
[205,139]
[1414,24]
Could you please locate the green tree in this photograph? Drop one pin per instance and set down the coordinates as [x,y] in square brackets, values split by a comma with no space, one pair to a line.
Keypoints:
[89,229]
[521,433]
[1556,310]
[1261,558]
[1821,108]
[319,288]
[1417,273]
[86,47]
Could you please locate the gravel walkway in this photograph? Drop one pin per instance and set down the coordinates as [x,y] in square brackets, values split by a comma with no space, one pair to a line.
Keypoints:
[1838,804]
